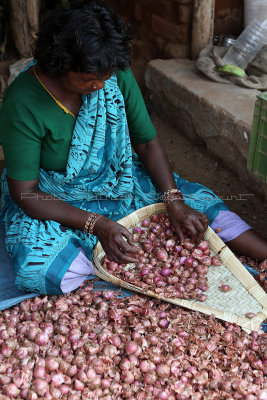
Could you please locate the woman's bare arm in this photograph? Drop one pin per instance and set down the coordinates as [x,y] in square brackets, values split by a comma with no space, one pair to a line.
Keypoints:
[156,162]
[43,206]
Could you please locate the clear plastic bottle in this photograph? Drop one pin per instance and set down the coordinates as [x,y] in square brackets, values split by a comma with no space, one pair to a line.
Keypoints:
[247,44]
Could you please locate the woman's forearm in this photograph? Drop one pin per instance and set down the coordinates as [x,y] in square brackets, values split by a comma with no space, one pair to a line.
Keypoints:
[45,207]
[155,160]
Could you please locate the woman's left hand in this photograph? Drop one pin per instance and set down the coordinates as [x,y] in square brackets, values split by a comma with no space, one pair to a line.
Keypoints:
[185,217]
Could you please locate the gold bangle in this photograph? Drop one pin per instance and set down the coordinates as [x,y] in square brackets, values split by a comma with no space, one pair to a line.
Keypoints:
[172,195]
[171,191]
[168,201]
[90,223]
[87,223]
[93,222]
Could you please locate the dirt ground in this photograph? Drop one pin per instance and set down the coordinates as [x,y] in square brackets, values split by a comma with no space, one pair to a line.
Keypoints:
[196,164]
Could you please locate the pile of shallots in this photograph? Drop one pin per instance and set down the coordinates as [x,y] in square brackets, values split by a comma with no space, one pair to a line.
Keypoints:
[92,345]
[164,266]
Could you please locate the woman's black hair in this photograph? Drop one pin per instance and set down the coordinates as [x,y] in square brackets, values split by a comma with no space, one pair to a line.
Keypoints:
[88,38]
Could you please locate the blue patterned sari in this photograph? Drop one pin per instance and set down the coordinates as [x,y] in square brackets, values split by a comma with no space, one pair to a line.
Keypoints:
[102,175]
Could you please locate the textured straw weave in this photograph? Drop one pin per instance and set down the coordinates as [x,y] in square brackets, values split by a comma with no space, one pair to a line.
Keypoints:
[246,294]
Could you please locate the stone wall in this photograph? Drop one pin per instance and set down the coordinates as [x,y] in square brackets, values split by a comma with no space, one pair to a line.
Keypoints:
[162,28]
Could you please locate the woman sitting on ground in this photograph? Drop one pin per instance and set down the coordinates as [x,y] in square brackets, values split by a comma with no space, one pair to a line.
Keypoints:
[68,125]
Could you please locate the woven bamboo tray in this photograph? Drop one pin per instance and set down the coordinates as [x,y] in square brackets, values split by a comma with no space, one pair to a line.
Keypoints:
[246,294]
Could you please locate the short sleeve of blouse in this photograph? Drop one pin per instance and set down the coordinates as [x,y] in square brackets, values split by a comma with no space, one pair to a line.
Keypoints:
[139,122]
[21,138]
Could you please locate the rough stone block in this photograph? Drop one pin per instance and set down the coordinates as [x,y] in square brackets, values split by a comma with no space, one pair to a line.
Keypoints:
[147,3]
[171,31]
[141,50]
[164,9]
[145,32]
[174,50]
[184,1]
[147,19]
[138,12]
[220,115]
[185,14]
[160,42]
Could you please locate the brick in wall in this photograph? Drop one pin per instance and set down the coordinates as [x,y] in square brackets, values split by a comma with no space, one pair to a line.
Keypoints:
[185,14]
[160,42]
[164,9]
[171,31]
[174,50]
[138,13]
[184,1]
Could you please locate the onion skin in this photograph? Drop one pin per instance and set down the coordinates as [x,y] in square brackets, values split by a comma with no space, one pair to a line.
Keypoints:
[250,315]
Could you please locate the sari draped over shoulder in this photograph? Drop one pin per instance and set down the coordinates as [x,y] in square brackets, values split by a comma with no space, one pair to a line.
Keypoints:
[102,175]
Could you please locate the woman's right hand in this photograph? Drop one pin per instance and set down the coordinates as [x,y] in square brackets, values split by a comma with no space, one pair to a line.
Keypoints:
[111,236]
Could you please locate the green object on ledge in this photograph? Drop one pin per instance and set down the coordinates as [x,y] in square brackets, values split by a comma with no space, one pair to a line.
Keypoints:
[232,70]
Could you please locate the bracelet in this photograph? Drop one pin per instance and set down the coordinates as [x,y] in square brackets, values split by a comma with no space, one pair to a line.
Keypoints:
[90,223]
[172,195]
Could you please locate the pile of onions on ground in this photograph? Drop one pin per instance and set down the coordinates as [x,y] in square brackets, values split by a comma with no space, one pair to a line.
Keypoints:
[93,345]
[164,266]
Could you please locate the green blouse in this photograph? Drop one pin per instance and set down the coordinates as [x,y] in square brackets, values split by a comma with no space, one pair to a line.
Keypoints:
[36,133]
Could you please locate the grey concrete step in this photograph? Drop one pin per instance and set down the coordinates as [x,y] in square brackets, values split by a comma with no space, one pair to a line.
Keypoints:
[219,114]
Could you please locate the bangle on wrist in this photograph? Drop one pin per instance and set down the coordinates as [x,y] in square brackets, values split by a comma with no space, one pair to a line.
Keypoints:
[172,195]
[90,223]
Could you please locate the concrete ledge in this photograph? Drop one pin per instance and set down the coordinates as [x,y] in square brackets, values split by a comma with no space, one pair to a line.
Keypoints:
[218,114]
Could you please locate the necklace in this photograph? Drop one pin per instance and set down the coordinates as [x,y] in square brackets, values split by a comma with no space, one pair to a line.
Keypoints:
[57,101]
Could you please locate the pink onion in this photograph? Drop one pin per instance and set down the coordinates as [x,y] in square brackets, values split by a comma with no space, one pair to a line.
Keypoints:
[203,245]
[51,364]
[162,255]
[163,370]
[127,377]
[182,260]
[189,261]
[206,260]
[165,272]
[170,244]
[225,288]
[188,245]
[131,347]
[11,390]
[164,323]
[145,223]
[216,260]
[40,386]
